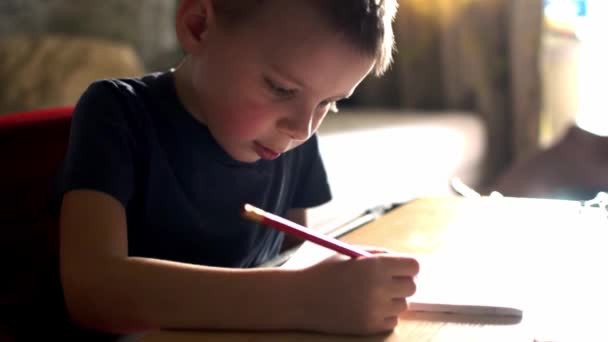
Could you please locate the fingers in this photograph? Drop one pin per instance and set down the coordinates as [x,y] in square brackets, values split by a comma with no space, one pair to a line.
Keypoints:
[398,305]
[390,323]
[409,267]
[399,265]
[402,286]
[395,264]
[337,257]
[396,309]
[375,250]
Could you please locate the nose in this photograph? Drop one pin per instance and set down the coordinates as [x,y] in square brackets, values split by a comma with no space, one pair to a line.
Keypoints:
[299,126]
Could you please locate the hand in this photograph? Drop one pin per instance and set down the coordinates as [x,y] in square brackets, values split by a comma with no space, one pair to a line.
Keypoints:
[358,296]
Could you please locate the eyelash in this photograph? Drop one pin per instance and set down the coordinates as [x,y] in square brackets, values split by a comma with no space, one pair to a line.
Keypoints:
[278,90]
[333,106]
[285,93]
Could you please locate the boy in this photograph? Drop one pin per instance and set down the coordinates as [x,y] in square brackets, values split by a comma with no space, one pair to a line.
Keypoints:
[158,167]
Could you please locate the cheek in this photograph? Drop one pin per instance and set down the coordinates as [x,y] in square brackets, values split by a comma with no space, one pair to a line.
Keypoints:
[249,120]
[317,120]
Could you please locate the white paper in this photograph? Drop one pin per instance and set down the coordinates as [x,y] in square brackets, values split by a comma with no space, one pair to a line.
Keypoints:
[443,285]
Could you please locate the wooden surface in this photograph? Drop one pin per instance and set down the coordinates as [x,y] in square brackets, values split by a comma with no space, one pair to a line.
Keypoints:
[546,245]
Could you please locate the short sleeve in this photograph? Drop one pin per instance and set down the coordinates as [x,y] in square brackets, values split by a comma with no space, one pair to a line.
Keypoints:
[312,187]
[100,153]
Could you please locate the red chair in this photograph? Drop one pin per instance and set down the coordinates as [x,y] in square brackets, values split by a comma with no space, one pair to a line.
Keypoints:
[32,146]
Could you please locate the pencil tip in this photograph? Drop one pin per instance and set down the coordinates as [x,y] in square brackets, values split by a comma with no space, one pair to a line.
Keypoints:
[251,212]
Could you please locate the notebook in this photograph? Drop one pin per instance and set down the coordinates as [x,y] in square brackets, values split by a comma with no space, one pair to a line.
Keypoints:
[461,286]
[445,284]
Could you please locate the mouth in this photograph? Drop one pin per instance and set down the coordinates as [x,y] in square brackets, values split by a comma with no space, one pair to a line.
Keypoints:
[265,152]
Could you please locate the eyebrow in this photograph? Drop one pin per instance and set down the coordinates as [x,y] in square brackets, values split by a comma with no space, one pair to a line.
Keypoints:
[300,84]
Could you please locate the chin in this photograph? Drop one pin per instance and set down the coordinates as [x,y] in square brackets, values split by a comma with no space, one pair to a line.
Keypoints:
[249,160]
[245,157]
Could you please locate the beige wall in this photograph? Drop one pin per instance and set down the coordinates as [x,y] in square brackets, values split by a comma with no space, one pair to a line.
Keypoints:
[560,77]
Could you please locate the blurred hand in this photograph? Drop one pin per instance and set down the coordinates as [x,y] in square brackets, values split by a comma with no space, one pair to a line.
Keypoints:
[358,296]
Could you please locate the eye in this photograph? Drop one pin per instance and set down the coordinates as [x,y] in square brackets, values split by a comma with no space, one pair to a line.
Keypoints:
[332,106]
[278,90]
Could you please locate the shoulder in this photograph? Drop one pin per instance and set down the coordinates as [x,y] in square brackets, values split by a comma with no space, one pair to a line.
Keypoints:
[122,89]
[117,100]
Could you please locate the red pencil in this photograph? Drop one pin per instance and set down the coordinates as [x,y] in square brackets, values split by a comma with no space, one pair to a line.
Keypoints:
[258,215]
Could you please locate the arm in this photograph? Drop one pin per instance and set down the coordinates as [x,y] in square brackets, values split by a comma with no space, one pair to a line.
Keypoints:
[106,289]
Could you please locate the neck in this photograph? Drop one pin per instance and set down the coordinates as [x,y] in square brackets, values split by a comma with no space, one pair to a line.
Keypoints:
[185,89]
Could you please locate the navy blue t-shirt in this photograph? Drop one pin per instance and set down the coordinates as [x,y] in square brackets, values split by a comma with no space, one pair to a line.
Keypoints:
[134,140]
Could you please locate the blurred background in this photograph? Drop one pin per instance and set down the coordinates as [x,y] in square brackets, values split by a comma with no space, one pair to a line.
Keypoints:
[477,85]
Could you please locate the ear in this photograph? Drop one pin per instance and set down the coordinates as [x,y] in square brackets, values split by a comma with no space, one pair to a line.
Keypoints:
[192,22]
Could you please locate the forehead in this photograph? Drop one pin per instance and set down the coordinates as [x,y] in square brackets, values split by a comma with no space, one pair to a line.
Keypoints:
[293,35]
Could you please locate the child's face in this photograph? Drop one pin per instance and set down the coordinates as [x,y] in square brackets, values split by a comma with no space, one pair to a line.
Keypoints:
[264,88]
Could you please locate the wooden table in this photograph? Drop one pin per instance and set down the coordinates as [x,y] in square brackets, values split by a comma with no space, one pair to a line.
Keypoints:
[555,246]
